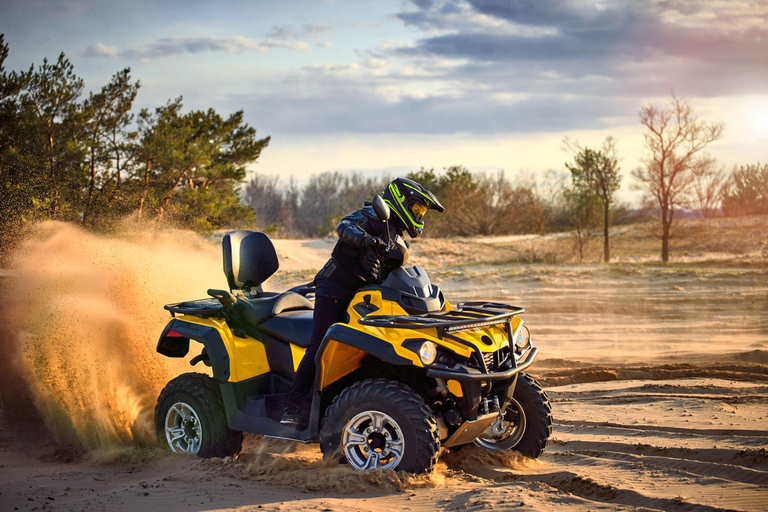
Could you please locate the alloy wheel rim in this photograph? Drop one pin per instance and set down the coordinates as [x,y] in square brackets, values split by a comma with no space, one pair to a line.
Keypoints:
[373,440]
[183,430]
[513,430]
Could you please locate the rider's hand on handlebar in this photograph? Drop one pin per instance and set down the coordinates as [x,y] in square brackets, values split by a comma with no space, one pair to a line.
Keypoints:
[375,244]
[372,267]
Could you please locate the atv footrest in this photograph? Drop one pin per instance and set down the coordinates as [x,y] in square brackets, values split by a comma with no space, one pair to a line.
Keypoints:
[255,407]
[261,415]
[266,406]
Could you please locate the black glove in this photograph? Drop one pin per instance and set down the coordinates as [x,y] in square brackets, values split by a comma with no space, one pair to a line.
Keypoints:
[375,244]
[371,265]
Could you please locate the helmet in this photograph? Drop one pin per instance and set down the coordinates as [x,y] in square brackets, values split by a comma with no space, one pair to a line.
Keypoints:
[410,201]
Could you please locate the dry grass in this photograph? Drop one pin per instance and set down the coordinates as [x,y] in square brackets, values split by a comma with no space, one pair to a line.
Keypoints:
[725,242]
[740,237]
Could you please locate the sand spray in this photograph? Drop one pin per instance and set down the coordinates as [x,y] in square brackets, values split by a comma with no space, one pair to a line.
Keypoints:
[303,468]
[81,317]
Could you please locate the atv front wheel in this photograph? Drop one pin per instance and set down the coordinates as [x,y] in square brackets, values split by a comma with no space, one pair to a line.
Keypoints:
[380,424]
[527,421]
[190,418]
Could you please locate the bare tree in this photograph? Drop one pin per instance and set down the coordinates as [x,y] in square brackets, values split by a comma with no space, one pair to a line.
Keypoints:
[707,187]
[490,207]
[674,137]
[486,204]
[264,195]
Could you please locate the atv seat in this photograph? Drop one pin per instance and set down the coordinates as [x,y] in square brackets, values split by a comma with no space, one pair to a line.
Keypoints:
[294,327]
[255,311]
[249,260]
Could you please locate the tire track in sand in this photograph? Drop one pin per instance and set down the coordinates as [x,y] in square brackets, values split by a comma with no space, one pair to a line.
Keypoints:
[678,445]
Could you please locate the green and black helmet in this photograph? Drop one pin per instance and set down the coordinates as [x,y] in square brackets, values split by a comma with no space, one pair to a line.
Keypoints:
[409,202]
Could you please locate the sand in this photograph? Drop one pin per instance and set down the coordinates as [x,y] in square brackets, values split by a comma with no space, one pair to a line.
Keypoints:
[658,379]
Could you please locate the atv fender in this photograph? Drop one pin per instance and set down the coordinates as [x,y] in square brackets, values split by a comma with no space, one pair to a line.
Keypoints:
[174,342]
[344,347]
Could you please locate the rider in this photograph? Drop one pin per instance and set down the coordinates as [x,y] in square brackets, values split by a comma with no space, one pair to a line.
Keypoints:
[353,264]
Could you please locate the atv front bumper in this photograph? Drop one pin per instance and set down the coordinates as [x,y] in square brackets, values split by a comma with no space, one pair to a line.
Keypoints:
[464,373]
[478,387]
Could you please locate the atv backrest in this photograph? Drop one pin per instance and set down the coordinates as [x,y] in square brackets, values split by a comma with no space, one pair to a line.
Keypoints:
[249,259]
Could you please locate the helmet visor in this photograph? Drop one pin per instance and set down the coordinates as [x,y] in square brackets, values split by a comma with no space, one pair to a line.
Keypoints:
[418,210]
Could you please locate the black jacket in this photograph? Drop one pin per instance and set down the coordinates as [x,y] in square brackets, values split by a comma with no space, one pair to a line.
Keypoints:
[344,269]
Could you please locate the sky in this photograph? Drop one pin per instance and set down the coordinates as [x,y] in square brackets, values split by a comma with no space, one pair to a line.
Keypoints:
[390,86]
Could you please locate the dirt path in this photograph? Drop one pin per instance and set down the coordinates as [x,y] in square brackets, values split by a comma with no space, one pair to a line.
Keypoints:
[662,444]
[694,444]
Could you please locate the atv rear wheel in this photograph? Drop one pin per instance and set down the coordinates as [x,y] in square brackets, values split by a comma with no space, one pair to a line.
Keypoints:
[190,418]
[527,421]
[380,424]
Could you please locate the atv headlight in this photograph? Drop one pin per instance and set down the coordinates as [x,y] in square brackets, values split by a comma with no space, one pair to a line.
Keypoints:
[428,352]
[522,338]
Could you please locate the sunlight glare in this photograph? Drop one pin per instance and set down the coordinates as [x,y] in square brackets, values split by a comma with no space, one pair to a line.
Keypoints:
[758,118]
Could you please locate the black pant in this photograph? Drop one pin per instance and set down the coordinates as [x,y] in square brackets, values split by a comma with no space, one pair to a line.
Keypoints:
[328,311]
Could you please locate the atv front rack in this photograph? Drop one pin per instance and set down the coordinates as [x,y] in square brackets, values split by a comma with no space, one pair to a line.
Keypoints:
[466,315]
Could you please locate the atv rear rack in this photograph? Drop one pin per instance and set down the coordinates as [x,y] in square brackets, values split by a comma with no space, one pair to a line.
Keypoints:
[201,307]
[467,315]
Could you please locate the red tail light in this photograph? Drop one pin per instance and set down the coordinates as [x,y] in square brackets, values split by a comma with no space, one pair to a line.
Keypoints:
[173,334]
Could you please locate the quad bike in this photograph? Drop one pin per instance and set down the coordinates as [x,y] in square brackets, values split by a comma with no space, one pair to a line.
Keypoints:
[406,374]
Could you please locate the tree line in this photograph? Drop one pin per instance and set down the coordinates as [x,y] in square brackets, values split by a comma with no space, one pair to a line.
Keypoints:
[92,159]
[676,174]
[478,204]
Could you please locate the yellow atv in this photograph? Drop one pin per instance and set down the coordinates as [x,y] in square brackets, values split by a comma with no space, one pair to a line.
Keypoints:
[406,374]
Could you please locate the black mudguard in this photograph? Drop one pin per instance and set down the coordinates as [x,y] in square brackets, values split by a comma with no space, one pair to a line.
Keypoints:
[178,346]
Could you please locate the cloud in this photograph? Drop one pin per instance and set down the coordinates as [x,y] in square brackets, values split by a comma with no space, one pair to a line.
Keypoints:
[281,32]
[291,32]
[167,47]
[490,67]
[356,111]
[496,66]
[562,13]
[569,39]
[423,4]
[356,99]
[365,24]
[100,50]
[375,63]
[581,30]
